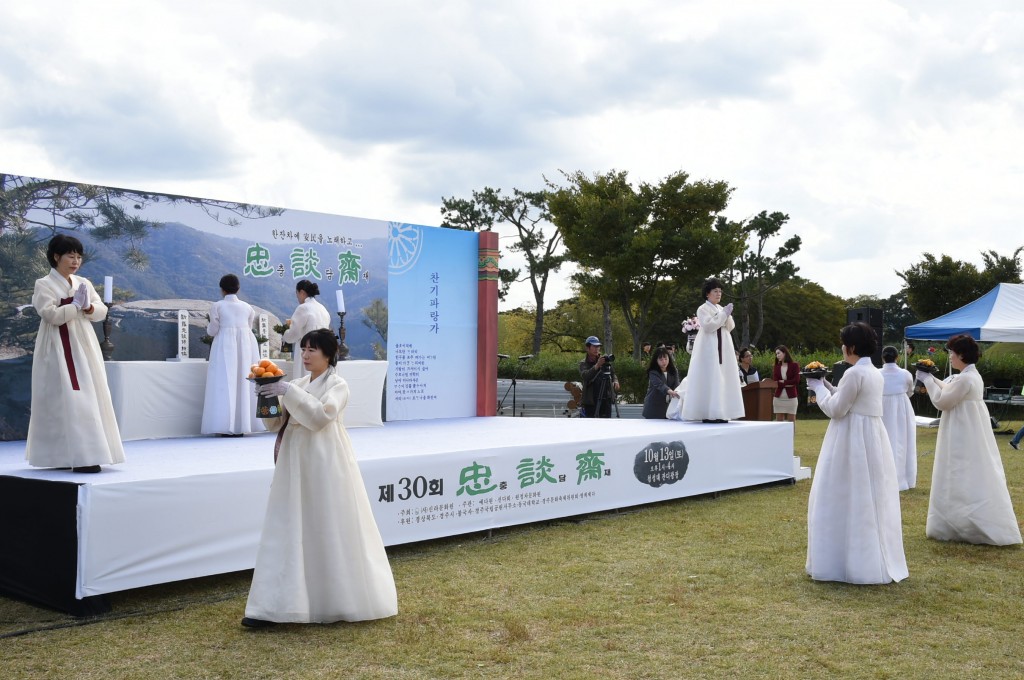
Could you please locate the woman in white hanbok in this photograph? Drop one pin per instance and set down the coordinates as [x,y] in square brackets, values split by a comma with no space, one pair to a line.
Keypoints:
[969,500]
[898,416]
[72,424]
[854,526]
[321,558]
[713,393]
[230,405]
[308,316]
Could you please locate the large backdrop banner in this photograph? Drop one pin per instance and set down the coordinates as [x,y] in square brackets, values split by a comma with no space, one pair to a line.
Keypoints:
[408,292]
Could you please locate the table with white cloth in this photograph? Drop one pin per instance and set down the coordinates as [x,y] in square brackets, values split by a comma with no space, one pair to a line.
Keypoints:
[163,399]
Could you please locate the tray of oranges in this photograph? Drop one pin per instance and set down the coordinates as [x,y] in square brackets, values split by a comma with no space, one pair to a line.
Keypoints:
[926,365]
[265,372]
[814,369]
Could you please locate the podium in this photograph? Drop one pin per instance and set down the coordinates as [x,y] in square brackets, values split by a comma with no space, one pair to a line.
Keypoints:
[757,400]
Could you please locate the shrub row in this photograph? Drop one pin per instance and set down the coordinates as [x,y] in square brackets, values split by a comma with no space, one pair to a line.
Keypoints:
[633,375]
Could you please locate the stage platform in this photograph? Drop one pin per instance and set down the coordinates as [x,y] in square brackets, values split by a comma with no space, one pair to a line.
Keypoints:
[191,507]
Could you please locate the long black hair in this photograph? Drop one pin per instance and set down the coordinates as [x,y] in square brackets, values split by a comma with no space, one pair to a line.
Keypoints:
[657,354]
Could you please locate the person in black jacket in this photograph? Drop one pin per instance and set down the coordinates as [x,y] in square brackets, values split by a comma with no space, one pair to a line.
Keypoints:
[663,379]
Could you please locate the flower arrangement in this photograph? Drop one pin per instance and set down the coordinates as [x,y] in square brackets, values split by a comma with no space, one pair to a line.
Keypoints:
[691,325]
[817,370]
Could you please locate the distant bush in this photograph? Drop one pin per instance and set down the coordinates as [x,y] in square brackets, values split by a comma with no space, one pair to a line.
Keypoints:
[633,375]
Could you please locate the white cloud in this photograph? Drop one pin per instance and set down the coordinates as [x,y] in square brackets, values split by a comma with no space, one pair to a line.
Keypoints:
[884,129]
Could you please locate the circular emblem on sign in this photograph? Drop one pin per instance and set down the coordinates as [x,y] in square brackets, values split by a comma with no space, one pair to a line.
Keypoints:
[405,242]
[661,463]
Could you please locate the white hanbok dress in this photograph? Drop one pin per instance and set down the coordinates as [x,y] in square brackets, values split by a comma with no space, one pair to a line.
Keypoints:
[72,422]
[712,391]
[308,316]
[969,500]
[854,526]
[321,558]
[230,403]
[898,416]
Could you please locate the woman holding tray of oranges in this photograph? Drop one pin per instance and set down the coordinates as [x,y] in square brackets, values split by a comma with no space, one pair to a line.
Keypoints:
[321,557]
[969,499]
[854,525]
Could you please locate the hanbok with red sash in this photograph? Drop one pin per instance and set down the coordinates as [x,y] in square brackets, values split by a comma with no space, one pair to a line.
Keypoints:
[72,422]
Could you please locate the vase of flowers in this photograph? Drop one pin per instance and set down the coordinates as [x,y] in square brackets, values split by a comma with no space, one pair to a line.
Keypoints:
[691,327]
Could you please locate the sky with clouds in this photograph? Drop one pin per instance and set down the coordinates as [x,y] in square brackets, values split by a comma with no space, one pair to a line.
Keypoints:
[883,128]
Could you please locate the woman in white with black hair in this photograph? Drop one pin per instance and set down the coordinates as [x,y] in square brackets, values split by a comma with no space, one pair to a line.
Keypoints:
[229,408]
[321,557]
[72,425]
[308,316]
[898,416]
[969,499]
[854,525]
[715,395]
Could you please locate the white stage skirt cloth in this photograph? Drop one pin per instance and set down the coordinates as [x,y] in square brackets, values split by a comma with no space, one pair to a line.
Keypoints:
[164,399]
[185,508]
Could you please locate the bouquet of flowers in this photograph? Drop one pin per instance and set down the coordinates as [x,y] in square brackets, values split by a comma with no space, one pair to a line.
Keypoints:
[691,325]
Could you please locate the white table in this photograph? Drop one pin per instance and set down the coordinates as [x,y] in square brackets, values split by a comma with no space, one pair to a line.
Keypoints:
[164,399]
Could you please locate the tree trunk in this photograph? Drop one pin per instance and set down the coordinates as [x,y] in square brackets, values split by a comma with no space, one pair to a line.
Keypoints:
[538,327]
[606,309]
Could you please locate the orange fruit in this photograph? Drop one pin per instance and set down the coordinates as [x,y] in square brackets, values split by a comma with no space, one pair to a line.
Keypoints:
[250,374]
[265,363]
[278,372]
[259,371]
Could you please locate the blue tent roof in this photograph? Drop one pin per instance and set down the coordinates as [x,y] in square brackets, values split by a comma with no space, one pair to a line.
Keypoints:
[997,316]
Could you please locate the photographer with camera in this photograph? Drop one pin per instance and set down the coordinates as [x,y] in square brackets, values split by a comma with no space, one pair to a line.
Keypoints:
[600,385]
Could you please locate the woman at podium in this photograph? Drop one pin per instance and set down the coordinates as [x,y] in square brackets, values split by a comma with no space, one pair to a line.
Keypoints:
[748,374]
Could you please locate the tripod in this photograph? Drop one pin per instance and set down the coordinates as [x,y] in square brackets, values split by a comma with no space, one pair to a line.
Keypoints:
[605,387]
[512,387]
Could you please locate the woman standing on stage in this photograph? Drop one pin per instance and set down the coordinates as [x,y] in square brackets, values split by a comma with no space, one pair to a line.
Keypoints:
[712,374]
[898,416]
[854,530]
[969,500]
[72,423]
[321,558]
[230,406]
[308,316]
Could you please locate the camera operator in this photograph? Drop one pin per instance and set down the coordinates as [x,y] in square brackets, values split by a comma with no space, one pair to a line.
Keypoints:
[600,384]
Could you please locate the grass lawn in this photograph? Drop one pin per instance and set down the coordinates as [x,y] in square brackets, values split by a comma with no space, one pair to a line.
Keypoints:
[702,587]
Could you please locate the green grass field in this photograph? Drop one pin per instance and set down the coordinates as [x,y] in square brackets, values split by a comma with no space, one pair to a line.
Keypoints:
[701,587]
